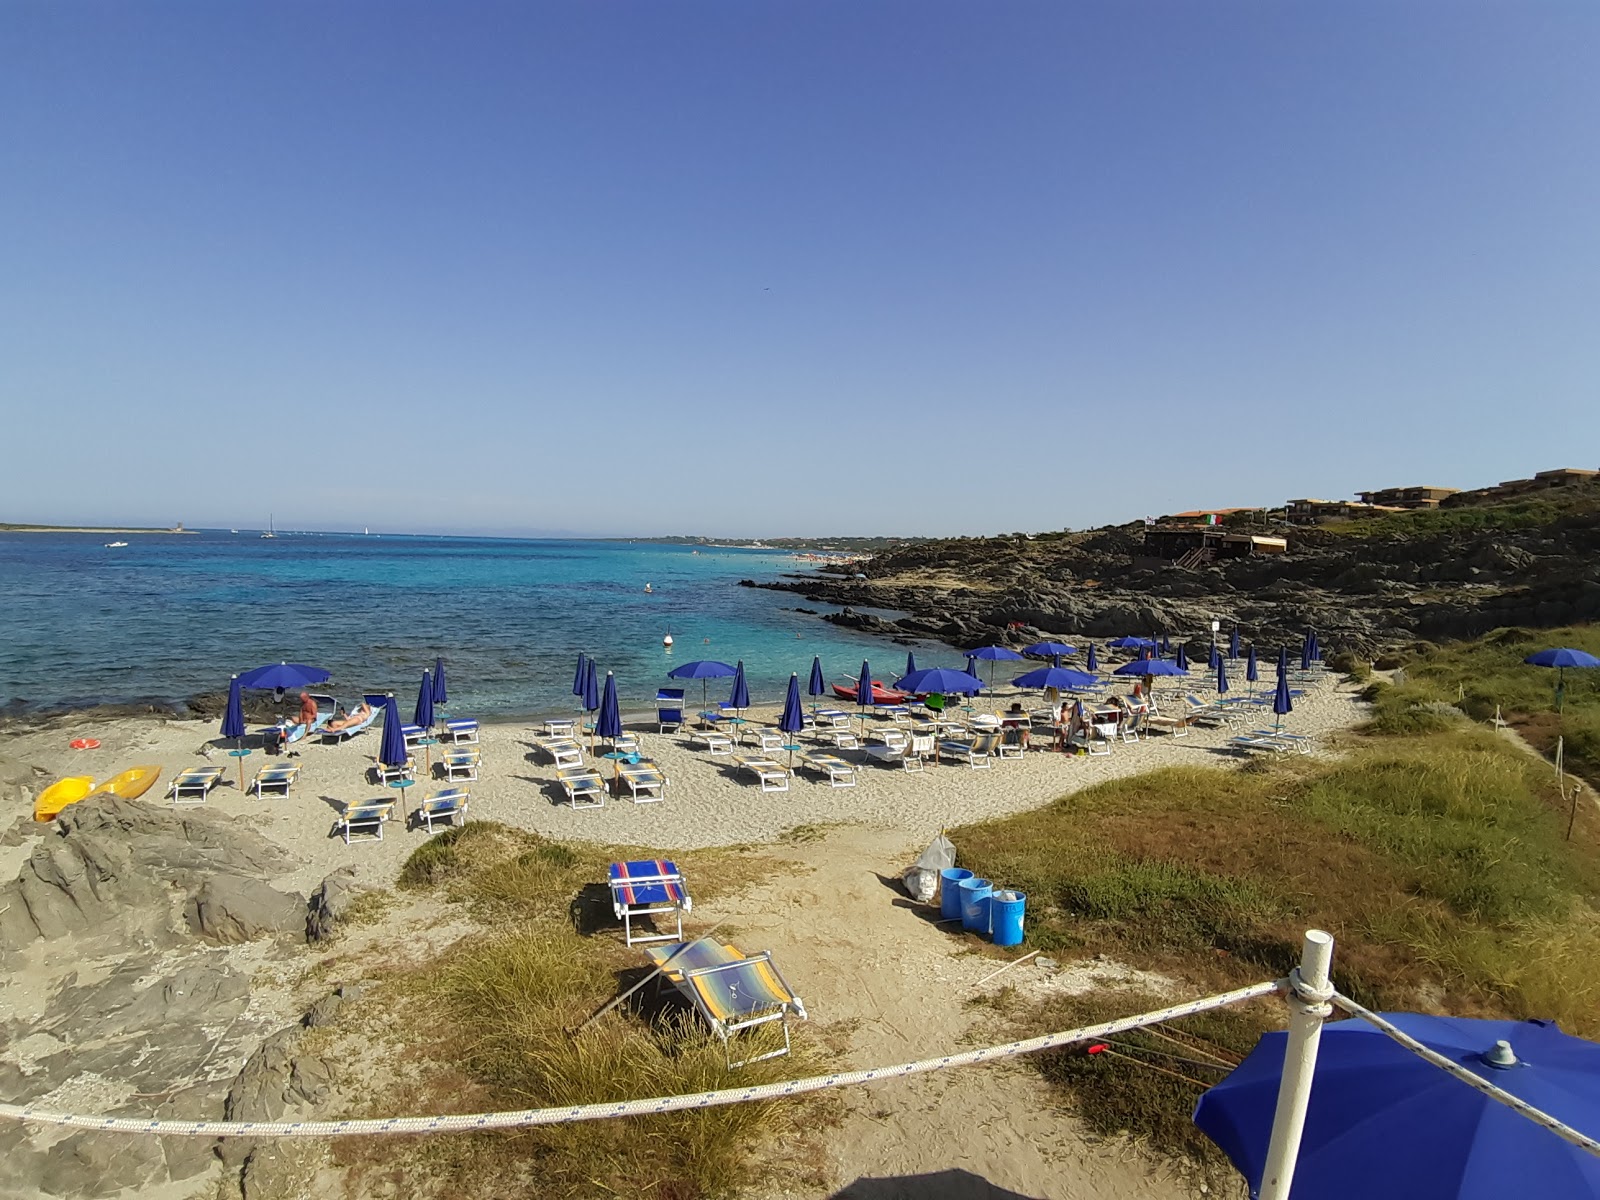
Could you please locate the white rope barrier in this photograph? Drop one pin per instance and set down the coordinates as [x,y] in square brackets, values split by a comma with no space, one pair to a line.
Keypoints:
[1471,1078]
[519,1118]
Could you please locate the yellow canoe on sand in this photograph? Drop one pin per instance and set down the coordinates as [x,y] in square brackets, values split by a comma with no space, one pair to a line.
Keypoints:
[60,794]
[132,783]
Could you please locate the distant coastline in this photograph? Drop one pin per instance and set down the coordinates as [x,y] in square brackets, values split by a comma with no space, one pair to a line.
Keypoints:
[5,528]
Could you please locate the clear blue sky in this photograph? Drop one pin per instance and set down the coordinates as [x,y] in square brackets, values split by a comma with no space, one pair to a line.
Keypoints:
[787,267]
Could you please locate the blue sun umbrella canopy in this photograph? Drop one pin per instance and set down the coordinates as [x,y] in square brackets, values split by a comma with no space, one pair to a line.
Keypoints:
[911,662]
[1283,661]
[1060,678]
[591,688]
[392,750]
[1132,643]
[1384,1124]
[283,676]
[1093,661]
[581,674]
[1005,654]
[440,695]
[817,686]
[940,679]
[1214,658]
[233,715]
[792,720]
[1150,666]
[739,697]
[1182,657]
[1222,677]
[864,685]
[1052,649]
[1281,704]
[1233,643]
[609,723]
[1250,671]
[1561,658]
[423,715]
[701,669]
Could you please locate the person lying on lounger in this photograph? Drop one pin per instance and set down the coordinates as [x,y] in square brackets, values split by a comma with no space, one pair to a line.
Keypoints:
[354,717]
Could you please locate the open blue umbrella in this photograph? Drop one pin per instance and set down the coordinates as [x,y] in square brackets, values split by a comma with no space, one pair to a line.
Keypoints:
[609,723]
[911,662]
[994,654]
[1222,677]
[1233,643]
[940,679]
[392,750]
[1383,1123]
[1561,658]
[1093,662]
[283,676]
[1281,704]
[701,669]
[1132,643]
[1148,667]
[817,686]
[1060,678]
[791,720]
[1052,649]
[1182,658]
[423,716]
[441,697]
[739,697]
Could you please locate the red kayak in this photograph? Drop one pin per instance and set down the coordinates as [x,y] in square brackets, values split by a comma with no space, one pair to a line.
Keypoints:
[880,694]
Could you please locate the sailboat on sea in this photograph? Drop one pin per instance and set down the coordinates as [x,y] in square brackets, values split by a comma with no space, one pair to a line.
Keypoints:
[269,532]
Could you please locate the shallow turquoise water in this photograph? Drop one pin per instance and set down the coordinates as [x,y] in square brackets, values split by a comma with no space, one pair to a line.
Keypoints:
[171,616]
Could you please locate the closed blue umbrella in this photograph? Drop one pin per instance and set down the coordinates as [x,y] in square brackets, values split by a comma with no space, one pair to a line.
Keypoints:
[1166,646]
[972,667]
[1283,661]
[1222,677]
[441,697]
[701,669]
[392,750]
[817,686]
[791,720]
[739,697]
[233,715]
[1280,701]
[1233,643]
[424,711]
[1384,1123]
[1305,653]
[591,688]
[1561,658]
[1182,657]
[1060,678]
[581,673]
[1093,662]
[1214,658]
[864,685]
[1316,647]
[1250,672]
[911,662]
[609,723]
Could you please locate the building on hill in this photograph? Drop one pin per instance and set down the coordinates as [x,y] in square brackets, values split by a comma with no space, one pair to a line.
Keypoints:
[1511,489]
[1408,497]
[1190,545]
[1316,512]
[1207,516]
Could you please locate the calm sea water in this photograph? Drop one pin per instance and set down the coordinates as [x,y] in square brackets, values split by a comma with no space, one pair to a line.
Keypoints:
[171,616]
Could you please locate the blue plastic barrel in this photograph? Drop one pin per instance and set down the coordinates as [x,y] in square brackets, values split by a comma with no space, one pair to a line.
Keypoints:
[1005,916]
[975,904]
[949,892]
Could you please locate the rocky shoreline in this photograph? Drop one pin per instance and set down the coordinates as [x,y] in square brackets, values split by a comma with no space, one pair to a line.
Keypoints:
[1361,594]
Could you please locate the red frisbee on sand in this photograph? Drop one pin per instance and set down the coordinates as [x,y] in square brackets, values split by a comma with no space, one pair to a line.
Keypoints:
[85,743]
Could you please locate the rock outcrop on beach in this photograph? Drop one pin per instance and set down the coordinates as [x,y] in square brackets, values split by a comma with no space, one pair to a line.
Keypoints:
[1399,582]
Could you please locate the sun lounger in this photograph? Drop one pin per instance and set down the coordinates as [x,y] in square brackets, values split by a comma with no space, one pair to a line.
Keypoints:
[448,807]
[648,888]
[1298,742]
[625,743]
[832,718]
[460,764]
[366,818]
[732,992]
[583,785]
[1176,726]
[350,731]
[191,786]
[563,752]
[274,779]
[763,737]
[384,773]
[669,720]
[1245,742]
[645,780]
[978,753]
[839,738]
[461,731]
[771,775]
[711,741]
[838,772]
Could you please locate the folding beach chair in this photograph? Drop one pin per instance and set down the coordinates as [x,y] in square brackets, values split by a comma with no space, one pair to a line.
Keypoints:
[460,765]
[559,728]
[839,772]
[731,991]
[669,710]
[461,731]
[645,780]
[384,773]
[365,818]
[1176,726]
[711,741]
[625,743]
[274,779]
[832,718]
[977,754]
[1245,742]
[1297,742]
[448,807]
[191,786]
[770,775]
[840,738]
[648,888]
[350,731]
[584,787]
[563,752]
[1010,743]
[763,737]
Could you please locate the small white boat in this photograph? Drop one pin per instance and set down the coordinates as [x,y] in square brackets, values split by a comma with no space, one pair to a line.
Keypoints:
[114,545]
[270,532]
[648,588]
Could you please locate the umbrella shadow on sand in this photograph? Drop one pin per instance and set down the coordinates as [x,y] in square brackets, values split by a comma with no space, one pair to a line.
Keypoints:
[937,1185]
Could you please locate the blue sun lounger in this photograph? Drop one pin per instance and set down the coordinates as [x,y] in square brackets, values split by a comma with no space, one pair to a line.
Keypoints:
[350,731]
[443,808]
[647,888]
[462,730]
[732,991]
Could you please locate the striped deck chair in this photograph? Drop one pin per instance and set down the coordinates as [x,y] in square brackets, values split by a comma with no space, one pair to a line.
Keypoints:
[274,779]
[443,808]
[583,786]
[461,731]
[771,775]
[647,888]
[563,751]
[839,772]
[730,990]
[645,779]
[367,818]
[349,731]
[460,764]
[191,786]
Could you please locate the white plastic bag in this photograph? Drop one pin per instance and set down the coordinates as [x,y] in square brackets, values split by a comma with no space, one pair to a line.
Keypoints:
[921,879]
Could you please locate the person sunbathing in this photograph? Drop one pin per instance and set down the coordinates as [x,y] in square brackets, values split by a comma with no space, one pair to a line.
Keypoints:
[308,710]
[354,717]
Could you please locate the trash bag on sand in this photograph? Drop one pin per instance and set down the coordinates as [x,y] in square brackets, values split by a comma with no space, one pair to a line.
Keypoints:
[921,878]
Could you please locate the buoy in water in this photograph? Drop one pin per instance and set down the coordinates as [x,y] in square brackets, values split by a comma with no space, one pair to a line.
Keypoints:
[667,641]
[648,588]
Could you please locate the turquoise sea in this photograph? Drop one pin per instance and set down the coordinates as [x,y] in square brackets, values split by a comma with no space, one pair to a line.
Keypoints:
[168,617]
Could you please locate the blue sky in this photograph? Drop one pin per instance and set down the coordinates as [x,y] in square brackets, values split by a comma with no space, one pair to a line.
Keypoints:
[786,268]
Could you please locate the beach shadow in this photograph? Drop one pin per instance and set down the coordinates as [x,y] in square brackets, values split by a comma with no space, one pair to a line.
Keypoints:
[338,806]
[953,1184]
[591,912]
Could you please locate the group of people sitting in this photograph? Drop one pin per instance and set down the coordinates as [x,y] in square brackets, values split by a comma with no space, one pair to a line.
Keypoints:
[1074,722]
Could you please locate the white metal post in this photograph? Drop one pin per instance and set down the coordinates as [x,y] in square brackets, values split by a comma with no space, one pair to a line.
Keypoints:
[1309,992]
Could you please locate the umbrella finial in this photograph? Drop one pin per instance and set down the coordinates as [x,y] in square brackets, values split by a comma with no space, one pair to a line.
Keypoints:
[1501,1055]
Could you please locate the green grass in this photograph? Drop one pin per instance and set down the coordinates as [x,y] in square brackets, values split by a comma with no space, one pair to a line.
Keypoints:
[489,1025]
[1437,859]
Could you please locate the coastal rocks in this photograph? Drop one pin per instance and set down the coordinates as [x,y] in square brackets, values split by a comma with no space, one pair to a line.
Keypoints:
[277,1080]
[233,908]
[329,903]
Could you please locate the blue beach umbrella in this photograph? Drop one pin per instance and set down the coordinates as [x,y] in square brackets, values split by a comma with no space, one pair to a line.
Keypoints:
[609,723]
[940,679]
[1222,677]
[283,676]
[972,666]
[392,750]
[1283,661]
[424,711]
[1132,643]
[1093,662]
[1233,643]
[791,720]
[233,715]
[1166,646]
[994,654]
[1060,678]
[864,686]
[739,697]
[1561,658]
[591,688]
[701,669]
[817,685]
[1052,649]
[578,676]
[1182,657]
[1281,705]
[911,662]
[1250,672]
[1214,658]
[1384,1123]
[1316,647]
[1305,653]
[1148,667]
[441,697]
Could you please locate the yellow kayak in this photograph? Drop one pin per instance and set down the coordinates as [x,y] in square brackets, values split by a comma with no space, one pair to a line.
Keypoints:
[131,784]
[60,794]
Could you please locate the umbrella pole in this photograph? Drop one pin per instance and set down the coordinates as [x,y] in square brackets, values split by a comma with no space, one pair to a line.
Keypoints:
[1309,992]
